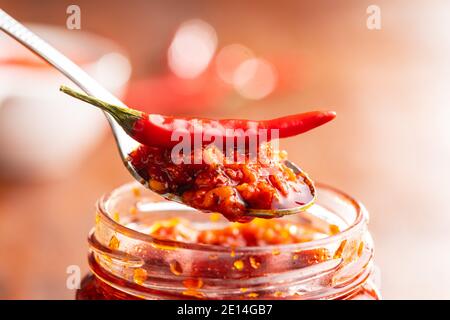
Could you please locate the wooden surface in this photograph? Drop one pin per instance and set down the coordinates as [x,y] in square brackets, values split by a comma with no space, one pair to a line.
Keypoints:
[389,147]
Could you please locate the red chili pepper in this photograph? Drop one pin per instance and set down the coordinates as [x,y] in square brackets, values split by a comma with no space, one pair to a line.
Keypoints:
[164,131]
[157,130]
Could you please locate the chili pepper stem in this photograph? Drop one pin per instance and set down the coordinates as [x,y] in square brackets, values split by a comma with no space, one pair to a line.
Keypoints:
[125,116]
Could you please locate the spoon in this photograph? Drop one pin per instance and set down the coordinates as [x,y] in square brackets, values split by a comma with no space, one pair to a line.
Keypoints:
[124,142]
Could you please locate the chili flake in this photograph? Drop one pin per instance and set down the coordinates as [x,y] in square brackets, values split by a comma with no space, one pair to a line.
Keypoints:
[360,248]
[194,293]
[334,229]
[340,250]
[114,243]
[139,276]
[195,283]
[116,217]
[239,265]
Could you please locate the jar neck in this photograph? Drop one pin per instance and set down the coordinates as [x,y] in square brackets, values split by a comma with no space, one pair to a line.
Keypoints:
[141,266]
[125,287]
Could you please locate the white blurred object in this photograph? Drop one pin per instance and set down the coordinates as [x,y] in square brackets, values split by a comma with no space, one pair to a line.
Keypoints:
[44,133]
[192,48]
[254,78]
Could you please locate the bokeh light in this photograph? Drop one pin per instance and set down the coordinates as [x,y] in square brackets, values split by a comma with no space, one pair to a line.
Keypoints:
[255,78]
[122,70]
[229,59]
[192,48]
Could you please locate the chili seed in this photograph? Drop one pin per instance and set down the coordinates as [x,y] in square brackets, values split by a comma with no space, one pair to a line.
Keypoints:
[175,268]
[253,263]
[133,210]
[136,192]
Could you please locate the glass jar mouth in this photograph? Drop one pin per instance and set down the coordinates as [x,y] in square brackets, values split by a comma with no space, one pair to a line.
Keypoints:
[333,258]
[357,225]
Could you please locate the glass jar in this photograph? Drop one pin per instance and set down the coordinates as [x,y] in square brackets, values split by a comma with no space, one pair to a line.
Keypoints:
[127,263]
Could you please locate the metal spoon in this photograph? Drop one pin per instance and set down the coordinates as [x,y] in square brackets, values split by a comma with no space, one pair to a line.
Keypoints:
[124,142]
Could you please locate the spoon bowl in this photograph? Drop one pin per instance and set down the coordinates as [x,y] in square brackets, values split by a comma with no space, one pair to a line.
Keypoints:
[260,213]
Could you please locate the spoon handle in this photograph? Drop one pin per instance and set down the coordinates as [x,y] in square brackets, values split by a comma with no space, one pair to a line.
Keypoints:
[30,40]
[41,48]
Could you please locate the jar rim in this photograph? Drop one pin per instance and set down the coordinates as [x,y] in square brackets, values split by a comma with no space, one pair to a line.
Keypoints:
[356,226]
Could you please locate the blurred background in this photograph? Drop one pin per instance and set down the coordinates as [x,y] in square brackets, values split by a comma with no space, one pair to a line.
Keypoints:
[389,146]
